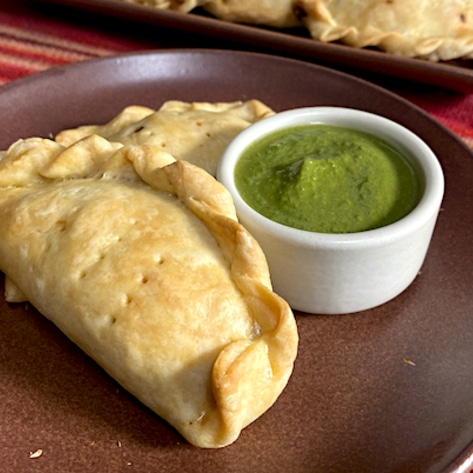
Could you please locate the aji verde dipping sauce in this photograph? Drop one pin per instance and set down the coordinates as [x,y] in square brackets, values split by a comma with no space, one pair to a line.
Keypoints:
[327,179]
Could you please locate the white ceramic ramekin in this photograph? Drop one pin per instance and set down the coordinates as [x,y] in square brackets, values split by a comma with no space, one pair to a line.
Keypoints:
[342,273]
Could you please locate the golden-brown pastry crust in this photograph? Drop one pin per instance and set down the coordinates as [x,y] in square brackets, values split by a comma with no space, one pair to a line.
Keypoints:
[439,30]
[196,132]
[434,30]
[275,13]
[140,260]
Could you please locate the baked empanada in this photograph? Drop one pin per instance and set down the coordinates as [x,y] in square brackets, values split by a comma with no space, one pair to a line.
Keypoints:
[182,6]
[275,13]
[161,4]
[435,30]
[139,259]
[195,132]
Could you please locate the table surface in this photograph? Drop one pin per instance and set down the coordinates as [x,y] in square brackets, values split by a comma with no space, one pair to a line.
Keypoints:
[35,37]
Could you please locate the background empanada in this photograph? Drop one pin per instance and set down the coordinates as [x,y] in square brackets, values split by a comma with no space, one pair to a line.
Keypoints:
[276,13]
[435,30]
[439,30]
[195,132]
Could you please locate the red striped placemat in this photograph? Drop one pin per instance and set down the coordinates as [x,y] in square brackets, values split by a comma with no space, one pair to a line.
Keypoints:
[31,42]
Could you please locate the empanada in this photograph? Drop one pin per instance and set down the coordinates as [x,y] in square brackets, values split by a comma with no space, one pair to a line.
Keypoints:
[195,132]
[275,13]
[139,259]
[435,30]
[161,4]
[182,6]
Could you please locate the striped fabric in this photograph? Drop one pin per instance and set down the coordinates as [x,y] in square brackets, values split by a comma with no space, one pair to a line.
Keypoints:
[455,111]
[31,40]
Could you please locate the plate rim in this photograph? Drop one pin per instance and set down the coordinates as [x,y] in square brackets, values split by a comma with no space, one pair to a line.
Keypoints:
[113,59]
[130,55]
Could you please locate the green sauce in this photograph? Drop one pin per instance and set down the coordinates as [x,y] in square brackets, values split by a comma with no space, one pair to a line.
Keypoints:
[327,179]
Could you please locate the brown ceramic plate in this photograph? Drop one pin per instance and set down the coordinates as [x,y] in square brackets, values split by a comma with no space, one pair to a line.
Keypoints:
[456,75]
[388,390]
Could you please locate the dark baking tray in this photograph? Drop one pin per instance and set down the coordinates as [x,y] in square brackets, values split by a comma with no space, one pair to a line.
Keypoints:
[455,75]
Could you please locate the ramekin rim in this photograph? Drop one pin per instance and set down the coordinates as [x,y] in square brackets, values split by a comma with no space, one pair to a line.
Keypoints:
[426,208]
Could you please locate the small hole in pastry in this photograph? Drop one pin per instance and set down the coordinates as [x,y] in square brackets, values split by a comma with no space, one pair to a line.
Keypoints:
[198,123]
[113,320]
[83,275]
[137,130]
[144,279]
[159,260]
[61,225]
